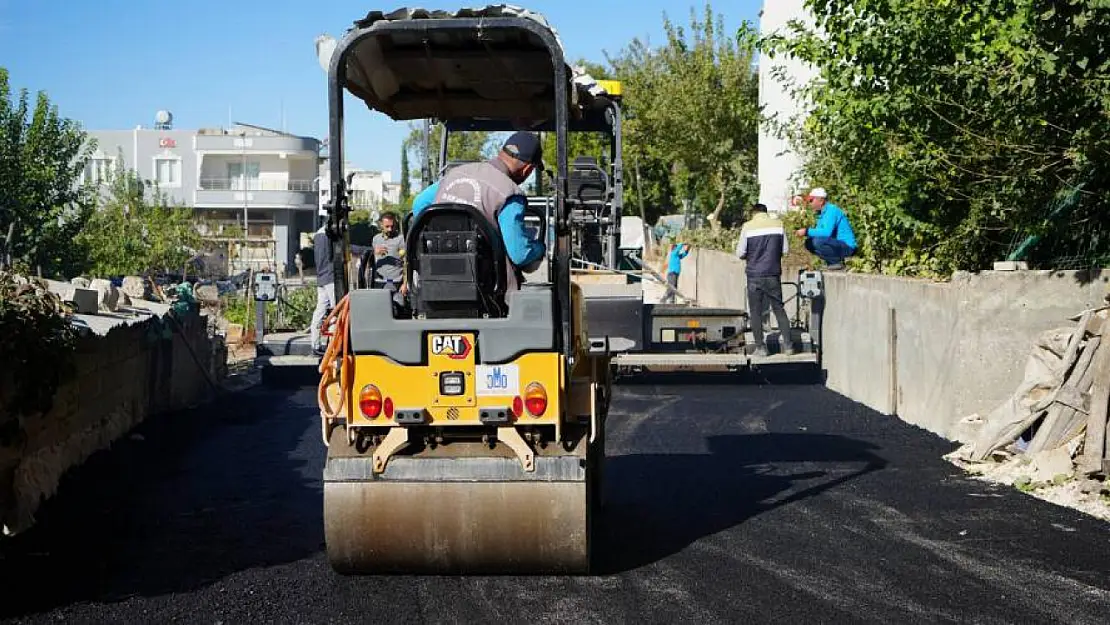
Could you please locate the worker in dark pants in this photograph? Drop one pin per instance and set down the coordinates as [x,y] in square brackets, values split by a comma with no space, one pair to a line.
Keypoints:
[762,245]
[674,268]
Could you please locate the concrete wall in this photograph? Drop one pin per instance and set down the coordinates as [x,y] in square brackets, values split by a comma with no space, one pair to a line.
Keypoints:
[125,372]
[928,352]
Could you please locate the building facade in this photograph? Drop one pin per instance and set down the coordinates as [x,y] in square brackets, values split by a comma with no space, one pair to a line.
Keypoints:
[779,164]
[368,189]
[244,180]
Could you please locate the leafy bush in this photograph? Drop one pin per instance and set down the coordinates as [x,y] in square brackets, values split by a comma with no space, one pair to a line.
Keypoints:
[37,345]
[292,312]
[951,132]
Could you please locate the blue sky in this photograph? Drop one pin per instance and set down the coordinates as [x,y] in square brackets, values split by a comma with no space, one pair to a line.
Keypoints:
[111,64]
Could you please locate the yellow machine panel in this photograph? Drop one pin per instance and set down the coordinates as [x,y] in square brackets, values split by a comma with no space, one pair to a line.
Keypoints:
[453,389]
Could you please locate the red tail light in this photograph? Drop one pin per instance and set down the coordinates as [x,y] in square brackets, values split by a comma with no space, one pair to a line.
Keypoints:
[388,408]
[535,399]
[518,406]
[370,401]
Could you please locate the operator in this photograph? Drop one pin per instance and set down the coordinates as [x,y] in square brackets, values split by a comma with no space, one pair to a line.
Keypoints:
[325,283]
[388,265]
[762,245]
[493,187]
[832,239]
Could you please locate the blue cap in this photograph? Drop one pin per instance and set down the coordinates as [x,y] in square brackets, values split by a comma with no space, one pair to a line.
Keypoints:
[524,146]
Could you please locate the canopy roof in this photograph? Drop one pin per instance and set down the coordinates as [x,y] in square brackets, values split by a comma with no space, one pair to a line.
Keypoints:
[482,71]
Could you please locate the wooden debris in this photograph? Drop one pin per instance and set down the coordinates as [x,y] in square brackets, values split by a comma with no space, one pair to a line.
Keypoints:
[1094,447]
[1064,396]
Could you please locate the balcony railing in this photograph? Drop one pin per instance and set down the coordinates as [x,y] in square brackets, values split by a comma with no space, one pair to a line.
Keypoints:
[256,184]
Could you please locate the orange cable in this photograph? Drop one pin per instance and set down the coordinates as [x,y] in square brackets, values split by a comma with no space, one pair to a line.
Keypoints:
[338,343]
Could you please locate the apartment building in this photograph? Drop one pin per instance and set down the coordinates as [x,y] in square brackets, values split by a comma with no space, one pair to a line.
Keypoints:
[243,180]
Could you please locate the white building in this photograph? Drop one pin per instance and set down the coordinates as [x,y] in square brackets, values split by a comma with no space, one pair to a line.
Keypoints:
[778,164]
[261,181]
[368,188]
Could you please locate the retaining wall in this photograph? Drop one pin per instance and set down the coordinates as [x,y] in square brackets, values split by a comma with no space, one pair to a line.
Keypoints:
[928,352]
[128,367]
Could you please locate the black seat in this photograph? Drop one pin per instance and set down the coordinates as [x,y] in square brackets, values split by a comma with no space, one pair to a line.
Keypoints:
[587,181]
[460,263]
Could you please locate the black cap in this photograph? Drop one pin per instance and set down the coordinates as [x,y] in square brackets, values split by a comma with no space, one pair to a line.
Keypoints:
[524,146]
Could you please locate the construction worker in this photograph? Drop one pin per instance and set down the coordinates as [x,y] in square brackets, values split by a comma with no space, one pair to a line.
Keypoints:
[493,187]
[387,267]
[674,268]
[325,284]
[762,245]
[832,239]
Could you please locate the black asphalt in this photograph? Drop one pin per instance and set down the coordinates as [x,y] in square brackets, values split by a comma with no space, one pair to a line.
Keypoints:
[727,503]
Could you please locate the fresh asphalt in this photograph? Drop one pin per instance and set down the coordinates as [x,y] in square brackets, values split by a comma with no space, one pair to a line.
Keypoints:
[755,501]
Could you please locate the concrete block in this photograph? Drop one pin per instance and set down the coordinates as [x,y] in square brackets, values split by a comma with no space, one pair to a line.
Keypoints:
[1011,265]
[109,294]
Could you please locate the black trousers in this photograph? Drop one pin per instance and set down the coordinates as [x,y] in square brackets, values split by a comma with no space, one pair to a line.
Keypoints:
[764,291]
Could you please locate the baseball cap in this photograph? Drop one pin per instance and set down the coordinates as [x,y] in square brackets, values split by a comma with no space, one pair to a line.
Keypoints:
[818,192]
[524,146]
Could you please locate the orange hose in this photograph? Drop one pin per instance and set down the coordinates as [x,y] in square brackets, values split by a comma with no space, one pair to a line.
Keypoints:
[338,344]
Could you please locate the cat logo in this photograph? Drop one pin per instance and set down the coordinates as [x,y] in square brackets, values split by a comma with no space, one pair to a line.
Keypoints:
[455,346]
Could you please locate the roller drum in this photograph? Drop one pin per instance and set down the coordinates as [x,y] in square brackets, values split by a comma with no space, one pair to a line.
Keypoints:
[460,515]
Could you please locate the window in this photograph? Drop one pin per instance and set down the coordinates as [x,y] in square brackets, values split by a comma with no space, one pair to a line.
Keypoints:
[167,172]
[97,170]
[243,176]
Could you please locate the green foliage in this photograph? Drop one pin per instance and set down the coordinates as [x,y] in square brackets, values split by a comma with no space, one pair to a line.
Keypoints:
[362,227]
[293,311]
[41,160]
[693,115]
[461,146]
[406,182]
[137,230]
[949,130]
[37,344]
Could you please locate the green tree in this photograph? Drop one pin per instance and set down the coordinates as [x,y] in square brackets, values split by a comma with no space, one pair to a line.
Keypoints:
[406,182]
[136,230]
[42,203]
[693,104]
[952,131]
[461,146]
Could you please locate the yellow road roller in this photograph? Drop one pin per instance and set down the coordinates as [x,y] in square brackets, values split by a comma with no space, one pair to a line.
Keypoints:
[465,429]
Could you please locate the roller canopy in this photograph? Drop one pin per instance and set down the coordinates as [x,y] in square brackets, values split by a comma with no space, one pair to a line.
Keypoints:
[498,65]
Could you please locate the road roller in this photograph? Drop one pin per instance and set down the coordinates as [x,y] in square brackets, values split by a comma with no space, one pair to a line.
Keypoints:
[465,431]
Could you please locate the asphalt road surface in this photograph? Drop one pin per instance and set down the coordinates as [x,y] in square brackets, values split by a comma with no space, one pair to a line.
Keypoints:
[729,503]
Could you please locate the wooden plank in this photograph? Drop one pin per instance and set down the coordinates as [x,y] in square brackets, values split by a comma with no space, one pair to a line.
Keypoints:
[1094,446]
[1062,421]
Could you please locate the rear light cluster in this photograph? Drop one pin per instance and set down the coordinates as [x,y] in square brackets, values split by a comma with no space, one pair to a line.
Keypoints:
[371,404]
[535,399]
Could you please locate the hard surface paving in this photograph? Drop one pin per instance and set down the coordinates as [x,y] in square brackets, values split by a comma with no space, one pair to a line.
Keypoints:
[728,502]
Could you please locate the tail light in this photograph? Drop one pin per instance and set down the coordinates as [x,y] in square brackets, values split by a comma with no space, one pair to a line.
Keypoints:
[535,399]
[388,406]
[518,406]
[370,401]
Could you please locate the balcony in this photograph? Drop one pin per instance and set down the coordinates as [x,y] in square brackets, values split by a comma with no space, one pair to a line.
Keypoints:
[257,193]
[257,144]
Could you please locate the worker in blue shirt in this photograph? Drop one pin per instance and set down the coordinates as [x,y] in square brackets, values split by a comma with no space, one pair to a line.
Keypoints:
[831,239]
[493,187]
[674,268]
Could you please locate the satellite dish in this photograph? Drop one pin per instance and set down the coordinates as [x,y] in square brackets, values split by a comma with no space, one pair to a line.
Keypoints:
[325,47]
[163,117]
